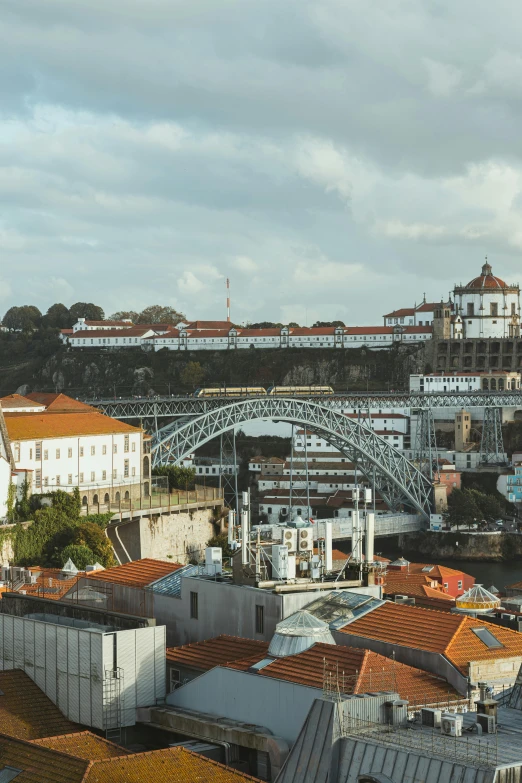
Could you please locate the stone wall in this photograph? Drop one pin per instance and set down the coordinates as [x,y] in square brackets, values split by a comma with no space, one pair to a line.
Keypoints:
[178,537]
[475,354]
[462,546]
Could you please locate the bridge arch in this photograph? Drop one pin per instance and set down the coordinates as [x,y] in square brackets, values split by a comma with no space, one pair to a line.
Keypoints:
[391,474]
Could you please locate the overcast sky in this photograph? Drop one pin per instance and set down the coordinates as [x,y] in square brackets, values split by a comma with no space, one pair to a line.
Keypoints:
[334,158]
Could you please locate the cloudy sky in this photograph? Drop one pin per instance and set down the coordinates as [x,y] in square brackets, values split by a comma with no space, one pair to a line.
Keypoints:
[334,158]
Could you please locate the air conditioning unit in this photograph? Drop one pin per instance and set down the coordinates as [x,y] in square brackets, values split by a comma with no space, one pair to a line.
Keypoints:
[505,616]
[289,538]
[430,717]
[488,723]
[451,725]
[305,539]
[280,559]
[213,560]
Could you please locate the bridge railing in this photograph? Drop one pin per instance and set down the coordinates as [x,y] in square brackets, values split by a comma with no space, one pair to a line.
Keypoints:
[156,500]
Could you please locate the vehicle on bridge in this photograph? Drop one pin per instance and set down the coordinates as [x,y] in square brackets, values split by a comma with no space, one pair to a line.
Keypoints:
[299,391]
[231,391]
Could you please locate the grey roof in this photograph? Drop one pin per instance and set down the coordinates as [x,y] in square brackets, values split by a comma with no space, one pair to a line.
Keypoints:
[171,584]
[297,633]
[401,561]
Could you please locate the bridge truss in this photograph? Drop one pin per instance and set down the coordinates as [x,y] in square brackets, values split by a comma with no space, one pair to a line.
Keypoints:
[397,480]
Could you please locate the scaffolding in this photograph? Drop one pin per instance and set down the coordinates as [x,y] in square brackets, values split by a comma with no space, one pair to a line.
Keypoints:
[492,442]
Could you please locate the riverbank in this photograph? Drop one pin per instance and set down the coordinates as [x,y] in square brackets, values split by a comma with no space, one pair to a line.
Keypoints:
[483,547]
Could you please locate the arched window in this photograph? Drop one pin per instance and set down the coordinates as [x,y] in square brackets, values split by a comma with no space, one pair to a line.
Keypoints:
[485,384]
[95,499]
[107,498]
[117,497]
[146,489]
[145,467]
[127,496]
[493,385]
[84,500]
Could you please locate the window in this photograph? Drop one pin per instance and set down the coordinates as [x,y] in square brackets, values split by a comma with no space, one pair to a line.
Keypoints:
[9,773]
[494,309]
[194,606]
[269,510]
[459,584]
[38,451]
[260,619]
[57,453]
[69,453]
[133,447]
[104,449]
[30,453]
[46,481]
[17,452]
[471,308]
[93,451]
[46,454]
[38,478]
[57,481]
[115,474]
[81,478]
[134,471]
[69,478]
[175,679]
[81,451]
[115,448]
[104,475]
[487,637]
[93,475]
[126,468]
[126,443]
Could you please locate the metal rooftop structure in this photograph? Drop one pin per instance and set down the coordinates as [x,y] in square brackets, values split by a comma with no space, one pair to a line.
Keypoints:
[297,633]
[341,607]
[171,584]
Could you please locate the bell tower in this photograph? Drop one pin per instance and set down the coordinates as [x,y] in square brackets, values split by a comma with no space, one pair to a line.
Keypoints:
[442,322]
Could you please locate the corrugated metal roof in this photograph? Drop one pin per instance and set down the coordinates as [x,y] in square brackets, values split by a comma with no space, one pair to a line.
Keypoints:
[171,584]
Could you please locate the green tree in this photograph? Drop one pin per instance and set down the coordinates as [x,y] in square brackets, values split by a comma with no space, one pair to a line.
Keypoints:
[81,556]
[125,315]
[462,508]
[86,310]
[90,535]
[178,476]
[192,374]
[160,314]
[57,317]
[22,319]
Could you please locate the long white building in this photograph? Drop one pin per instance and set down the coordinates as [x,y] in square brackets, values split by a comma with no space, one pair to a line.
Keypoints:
[65,444]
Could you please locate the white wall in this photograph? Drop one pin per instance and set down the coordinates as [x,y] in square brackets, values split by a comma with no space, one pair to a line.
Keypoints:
[5,480]
[75,469]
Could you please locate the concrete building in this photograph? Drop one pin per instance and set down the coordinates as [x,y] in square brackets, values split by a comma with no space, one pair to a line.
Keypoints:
[462,429]
[66,444]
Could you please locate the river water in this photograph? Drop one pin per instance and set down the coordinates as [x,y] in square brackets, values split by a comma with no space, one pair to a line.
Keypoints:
[487,574]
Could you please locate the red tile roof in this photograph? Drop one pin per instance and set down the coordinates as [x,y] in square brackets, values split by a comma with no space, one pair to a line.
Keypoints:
[84,745]
[427,307]
[17,401]
[216,652]
[440,632]
[210,325]
[60,403]
[400,313]
[132,331]
[355,670]
[138,573]
[26,712]
[109,323]
[35,426]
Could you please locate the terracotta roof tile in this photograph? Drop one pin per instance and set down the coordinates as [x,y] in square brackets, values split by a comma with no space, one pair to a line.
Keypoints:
[83,744]
[26,712]
[17,401]
[138,573]
[32,426]
[60,402]
[170,765]
[39,764]
[216,652]
[448,634]
[356,670]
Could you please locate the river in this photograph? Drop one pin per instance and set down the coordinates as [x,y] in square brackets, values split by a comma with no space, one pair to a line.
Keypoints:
[499,574]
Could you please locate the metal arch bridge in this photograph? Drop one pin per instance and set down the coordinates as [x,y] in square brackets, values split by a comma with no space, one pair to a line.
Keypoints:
[183,406]
[397,479]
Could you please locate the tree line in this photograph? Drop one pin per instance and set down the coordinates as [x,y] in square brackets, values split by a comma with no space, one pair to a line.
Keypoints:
[28,318]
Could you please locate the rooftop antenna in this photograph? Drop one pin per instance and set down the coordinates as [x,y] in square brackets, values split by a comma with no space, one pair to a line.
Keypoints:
[228,300]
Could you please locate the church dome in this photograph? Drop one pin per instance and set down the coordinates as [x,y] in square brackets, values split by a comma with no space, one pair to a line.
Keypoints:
[487,279]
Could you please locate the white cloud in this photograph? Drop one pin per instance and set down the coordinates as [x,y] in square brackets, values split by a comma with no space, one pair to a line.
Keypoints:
[245,264]
[189,284]
[443,78]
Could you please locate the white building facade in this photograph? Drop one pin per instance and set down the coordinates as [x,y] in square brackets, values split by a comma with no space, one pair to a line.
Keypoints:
[108,460]
[494,380]
[488,307]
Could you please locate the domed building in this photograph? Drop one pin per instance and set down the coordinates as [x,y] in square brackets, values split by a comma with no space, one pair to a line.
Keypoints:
[487,307]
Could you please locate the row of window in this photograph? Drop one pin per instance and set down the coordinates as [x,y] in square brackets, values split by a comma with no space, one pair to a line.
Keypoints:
[104,341]
[38,451]
[81,476]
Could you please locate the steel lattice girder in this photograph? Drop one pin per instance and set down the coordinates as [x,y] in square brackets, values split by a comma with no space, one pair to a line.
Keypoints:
[170,407]
[357,441]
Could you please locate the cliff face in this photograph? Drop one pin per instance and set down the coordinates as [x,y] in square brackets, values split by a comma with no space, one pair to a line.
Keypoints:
[135,372]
